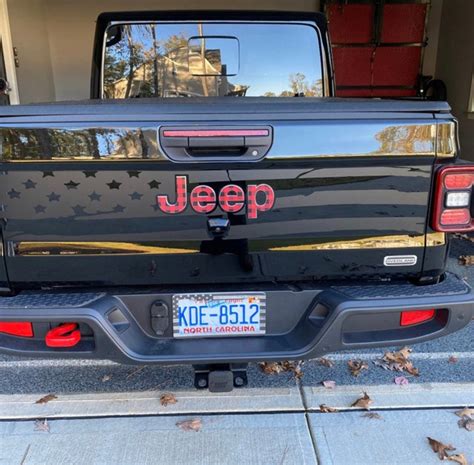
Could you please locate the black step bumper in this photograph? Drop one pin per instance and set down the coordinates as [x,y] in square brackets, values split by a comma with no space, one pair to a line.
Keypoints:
[303,321]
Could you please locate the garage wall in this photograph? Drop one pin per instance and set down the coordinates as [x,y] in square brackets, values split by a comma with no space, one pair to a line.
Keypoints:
[55,38]
[455,65]
[30,38]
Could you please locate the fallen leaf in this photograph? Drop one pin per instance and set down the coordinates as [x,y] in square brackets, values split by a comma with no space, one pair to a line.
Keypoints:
[466,260]
[440,448]
[458,458]
[452,359]
[398,361]
[401,381]
[190,425]
[363,402]
[46,399]
[325,362]
[326,409]
[271,368]
[106,378]
[404,352]
[329,384]
[42,425]
[275,368]
[462,236]
[465,412]
[356,366]
[466,423]
[372,416]
[168,399]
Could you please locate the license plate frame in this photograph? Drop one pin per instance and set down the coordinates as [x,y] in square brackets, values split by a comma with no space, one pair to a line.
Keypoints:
[240,322]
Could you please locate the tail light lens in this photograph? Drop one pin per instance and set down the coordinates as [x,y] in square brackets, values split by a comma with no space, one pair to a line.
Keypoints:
[16,328]
[453,197]
[414,317]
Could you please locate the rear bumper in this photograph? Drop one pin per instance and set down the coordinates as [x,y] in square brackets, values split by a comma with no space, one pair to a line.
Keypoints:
[303,322]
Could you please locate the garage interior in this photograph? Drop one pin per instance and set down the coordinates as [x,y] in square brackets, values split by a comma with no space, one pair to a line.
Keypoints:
[382,48]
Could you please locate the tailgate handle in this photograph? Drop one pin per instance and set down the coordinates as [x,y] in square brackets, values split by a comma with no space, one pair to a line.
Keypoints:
[216,143]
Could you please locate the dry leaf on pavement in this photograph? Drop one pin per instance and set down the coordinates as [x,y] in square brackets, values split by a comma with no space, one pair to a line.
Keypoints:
[46,399]
[462,236]
[325,362]
[190,425]
[168,399]
[372,416]
[398,361]
[329,384]
[466,423]
[440,448]
[363,402]
[42,425]
[326,409]
[275,368]
[356,366]
[458,458]
[465,412]
[466,260]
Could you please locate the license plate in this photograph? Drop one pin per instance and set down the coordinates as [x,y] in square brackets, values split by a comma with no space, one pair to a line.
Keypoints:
[219,314]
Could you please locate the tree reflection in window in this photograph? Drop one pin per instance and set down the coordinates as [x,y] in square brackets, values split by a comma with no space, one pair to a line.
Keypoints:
[209,60]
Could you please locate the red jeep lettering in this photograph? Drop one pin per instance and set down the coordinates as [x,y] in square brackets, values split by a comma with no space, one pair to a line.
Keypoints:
[181,197]
[267,197]
[231,198]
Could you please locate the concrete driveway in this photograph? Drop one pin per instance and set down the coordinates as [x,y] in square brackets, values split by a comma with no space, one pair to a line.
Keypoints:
[105,413]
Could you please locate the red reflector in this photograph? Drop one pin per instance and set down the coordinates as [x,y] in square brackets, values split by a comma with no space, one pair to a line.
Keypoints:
[414,317]
[17,328]
[215,132]
[456,216]
[458,181]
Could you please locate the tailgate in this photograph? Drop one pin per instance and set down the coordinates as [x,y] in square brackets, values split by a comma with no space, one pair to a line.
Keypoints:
[138,194]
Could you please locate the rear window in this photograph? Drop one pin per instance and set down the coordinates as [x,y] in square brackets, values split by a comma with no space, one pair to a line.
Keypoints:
[211,60]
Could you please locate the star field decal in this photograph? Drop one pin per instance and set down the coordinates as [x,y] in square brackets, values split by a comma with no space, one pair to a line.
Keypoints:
[95,196]
[29,184]
[71,185]
[114,184]
[78,210]
[90,174]
[135,196]
[154,184]
[118,209]
[53,197]
[48,173]
[133,174]
[155,207]
[40,209]
[13,194]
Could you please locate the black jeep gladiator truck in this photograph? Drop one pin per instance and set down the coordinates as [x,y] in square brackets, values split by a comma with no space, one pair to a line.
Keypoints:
[213,203]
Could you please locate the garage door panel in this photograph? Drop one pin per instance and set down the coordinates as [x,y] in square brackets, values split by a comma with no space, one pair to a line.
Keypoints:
[351,24]
[352,65]
[396,66]
[403,23]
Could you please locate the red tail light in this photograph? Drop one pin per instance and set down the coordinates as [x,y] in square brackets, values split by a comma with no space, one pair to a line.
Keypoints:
[453,198]
[413,317]
[17,328]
